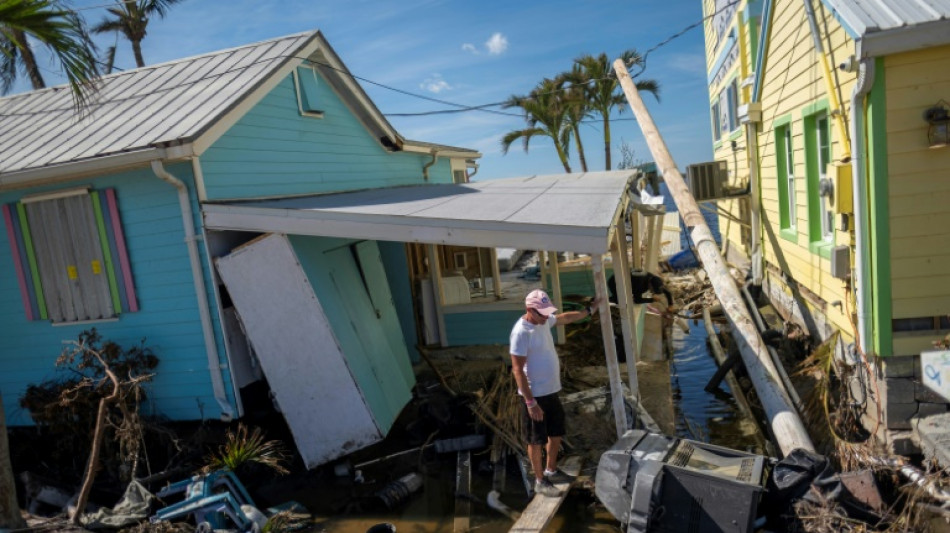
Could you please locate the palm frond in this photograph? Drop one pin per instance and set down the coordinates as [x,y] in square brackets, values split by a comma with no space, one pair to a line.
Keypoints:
[60,30]
[243,448]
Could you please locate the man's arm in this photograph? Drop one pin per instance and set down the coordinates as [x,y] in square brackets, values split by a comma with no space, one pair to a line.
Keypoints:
[521,379]
[573,316]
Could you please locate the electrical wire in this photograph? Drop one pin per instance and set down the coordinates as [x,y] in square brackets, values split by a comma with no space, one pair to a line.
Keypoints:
[460,108]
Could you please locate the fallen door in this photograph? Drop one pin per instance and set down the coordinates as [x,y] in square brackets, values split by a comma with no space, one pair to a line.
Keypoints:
[298,351]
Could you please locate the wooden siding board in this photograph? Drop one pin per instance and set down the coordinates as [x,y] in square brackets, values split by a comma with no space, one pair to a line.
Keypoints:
[305,155]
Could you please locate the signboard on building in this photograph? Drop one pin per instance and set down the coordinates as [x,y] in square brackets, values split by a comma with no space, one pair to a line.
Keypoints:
[935,371]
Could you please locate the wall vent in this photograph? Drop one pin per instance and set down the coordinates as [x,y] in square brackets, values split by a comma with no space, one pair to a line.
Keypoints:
[706,180]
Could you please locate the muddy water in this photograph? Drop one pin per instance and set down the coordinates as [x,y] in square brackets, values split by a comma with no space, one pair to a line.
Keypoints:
[699,415]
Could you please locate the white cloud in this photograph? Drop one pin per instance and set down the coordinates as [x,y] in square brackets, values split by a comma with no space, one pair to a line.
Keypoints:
[496,44]
[435,84]
[469,47]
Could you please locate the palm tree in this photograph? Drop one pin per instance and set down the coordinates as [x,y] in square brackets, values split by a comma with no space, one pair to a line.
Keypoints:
[577,108]
[603,94]
[545,114]
[130,18]
[58,29]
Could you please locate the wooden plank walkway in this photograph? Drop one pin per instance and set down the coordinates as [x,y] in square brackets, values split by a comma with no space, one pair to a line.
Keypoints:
[542,508]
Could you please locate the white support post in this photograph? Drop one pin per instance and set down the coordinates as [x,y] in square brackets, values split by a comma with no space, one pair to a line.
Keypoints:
[624,302]
[649,263]
[637,239]
[496,275]
[543,269]
[610,349]
[481,271]
[657,244]
[633,308]
[435,276]
[560,336]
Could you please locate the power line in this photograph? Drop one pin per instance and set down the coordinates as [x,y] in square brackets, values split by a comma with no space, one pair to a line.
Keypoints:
[460,108]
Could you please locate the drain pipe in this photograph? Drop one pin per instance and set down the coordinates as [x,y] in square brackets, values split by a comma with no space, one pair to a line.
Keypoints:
[474,166]
[859,190]
[425,168]
[188,222]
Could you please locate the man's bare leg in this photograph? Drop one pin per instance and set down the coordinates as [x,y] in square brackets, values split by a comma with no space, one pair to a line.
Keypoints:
[553,447]
[534,455]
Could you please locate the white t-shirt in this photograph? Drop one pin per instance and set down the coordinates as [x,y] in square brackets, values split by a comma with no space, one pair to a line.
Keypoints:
[537,344]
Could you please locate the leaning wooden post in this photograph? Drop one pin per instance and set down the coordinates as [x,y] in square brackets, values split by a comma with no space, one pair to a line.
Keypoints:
[786,425]
[610,349]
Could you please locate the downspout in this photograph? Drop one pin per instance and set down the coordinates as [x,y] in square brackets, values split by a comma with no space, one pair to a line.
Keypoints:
[187,219]
[474,166]
[859,190]
[425,168]
[755,200]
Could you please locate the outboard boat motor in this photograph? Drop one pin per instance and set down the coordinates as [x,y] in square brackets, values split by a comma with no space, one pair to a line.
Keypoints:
[654,483]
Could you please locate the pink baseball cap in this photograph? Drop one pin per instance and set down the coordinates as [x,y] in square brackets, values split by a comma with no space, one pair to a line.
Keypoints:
[538,300]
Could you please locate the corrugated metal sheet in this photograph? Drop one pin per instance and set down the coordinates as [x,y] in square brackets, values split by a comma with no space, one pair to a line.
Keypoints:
[166,103]
[869,16]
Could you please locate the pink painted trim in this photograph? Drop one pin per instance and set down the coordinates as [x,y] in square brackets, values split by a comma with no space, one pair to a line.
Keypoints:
[123,253]
[15,250]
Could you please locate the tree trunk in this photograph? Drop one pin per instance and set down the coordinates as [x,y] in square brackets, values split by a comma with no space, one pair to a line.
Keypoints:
[10,517]
[606,141]
[137,50]
[563,155]
[580,148]
[29,60]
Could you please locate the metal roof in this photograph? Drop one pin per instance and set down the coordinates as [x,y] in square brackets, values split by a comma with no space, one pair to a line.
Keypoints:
[889,26]
[168,103]
[565,212]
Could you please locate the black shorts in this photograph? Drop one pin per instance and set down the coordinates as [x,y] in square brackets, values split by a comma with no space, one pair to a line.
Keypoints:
[551,426]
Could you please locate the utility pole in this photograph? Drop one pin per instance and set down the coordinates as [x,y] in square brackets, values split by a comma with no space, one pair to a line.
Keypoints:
[786,425]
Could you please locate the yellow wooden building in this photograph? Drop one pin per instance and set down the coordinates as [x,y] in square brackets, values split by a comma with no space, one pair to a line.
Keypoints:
[834,115]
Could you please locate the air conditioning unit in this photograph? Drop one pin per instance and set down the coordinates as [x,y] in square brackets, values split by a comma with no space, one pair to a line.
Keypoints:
[706,180]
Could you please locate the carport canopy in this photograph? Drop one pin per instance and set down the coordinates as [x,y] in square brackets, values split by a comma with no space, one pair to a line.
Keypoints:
[565,212]
[579,212]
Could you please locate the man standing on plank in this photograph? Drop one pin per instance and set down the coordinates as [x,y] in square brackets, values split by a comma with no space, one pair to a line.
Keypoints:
[537,371]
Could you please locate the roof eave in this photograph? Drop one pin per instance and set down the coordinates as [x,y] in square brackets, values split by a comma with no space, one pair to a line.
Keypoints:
[444,151]
[86,168]
[906,39]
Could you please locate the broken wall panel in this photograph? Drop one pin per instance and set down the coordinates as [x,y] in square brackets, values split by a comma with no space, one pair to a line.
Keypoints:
[298,350]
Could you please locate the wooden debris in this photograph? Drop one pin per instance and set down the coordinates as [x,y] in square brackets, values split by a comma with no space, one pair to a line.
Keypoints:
[542,508]
[463,492]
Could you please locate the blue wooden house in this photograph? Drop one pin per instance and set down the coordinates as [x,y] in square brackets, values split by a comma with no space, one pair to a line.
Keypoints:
[246,212]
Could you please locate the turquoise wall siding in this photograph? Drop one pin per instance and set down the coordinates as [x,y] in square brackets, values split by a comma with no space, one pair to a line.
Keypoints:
[364,338]
[467,329]
[579,282]
[274,151]
[397,271]
[168,320]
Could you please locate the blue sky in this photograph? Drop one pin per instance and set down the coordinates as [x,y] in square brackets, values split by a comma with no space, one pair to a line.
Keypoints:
[468,52]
